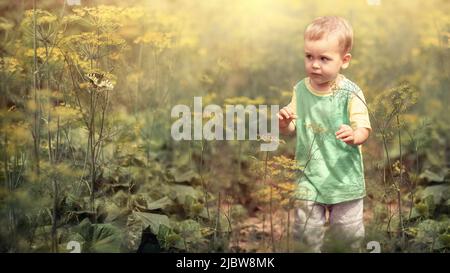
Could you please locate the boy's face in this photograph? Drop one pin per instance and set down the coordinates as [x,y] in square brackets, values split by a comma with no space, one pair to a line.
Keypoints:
[324,60]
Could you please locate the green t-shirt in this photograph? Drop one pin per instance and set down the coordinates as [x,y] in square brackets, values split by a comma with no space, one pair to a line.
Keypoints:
[333,171]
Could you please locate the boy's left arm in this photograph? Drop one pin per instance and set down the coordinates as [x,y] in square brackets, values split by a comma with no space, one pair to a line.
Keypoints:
[352,137]
[359,120]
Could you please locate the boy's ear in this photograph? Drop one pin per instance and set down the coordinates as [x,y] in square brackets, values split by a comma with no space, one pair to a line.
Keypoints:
[346,60]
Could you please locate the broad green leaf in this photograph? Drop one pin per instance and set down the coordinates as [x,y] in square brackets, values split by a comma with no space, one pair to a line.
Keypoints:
[159,204]
[186,176]
[152,220]
[182,191]
[98,237]
[432,176]
[106,238]
[440,193]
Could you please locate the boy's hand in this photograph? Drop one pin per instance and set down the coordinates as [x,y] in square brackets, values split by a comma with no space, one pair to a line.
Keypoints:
[346,134]
[352,137]
[285,117]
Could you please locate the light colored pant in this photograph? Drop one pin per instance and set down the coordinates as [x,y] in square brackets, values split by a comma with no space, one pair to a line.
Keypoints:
[346,224]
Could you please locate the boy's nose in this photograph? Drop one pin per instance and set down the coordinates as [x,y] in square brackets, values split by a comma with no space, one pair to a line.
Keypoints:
[315,65]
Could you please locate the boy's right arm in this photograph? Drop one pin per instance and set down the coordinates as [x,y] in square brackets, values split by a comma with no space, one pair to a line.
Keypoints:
[285,120]
[287,115]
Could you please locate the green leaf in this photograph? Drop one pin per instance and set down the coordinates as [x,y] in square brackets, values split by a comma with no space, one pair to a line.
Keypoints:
[106,238]
[152,220]
[97,237]
[163,232]
[185,176]
[444,241]
[432,176]
[84,229]
[159,204]
[181,191]
[427,231]
[415,213]
[440,193]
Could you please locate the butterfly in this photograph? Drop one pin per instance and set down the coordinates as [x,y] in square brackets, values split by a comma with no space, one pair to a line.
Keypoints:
[99,81]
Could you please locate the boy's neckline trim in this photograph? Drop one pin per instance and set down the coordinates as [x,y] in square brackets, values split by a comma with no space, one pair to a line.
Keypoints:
[340,78]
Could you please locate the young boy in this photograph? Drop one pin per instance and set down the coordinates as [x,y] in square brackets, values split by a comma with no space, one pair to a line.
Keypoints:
[329,116]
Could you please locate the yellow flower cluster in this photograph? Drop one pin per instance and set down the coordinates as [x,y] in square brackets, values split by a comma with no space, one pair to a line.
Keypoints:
[159,40]
[42,17]
[54,54]
[101,16]
[10,65]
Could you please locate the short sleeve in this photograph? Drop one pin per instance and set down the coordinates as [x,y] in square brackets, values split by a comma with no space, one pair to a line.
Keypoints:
[358,112]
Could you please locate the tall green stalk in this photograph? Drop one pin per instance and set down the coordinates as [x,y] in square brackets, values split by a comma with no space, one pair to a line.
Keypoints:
[399,197]
[37,117]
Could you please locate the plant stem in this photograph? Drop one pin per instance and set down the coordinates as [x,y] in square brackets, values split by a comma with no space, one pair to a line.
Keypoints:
[271,220]
[264,211]
[205,191]
[288,228]
[36,127]
[217,225]
[399,197]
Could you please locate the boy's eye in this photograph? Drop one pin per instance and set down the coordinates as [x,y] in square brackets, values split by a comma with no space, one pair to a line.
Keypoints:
[309,57]
[324,59]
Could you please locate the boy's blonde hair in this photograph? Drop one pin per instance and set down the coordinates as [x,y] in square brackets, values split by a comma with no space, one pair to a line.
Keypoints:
[327,25]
